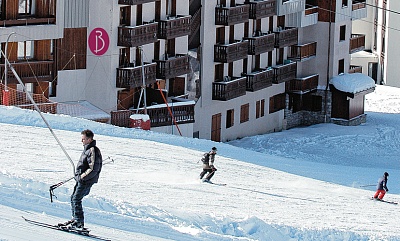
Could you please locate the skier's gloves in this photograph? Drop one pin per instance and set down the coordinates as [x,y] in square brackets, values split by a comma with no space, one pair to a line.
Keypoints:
[77,178]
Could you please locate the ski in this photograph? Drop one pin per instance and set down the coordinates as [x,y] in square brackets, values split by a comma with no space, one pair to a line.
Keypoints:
[384,201]
[65,229]
[217,184]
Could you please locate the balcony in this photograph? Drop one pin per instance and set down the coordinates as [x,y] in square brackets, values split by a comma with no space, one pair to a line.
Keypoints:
[173,66]
[261,43]
[227,53]
[30,72]
[174,27]
[359,9]
[285,72]
[134,36]
[302,85]
[230,88]
[262,9]
[159,116]
[303,52]
[285,7]
[134,2]
[131,77]
[27,21]
[357,43]
[286,37]
[231,15]
[259,79]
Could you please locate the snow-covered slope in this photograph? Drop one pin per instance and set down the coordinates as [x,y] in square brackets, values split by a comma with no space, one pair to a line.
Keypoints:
[152,191]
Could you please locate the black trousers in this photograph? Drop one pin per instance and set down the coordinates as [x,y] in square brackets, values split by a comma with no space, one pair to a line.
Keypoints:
[210,175]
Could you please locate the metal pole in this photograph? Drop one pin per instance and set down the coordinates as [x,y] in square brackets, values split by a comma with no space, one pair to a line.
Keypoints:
[5,62]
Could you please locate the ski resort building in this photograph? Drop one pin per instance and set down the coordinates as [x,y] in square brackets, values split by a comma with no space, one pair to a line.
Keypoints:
[210,69]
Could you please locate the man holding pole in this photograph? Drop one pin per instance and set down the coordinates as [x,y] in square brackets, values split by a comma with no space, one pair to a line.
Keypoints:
[87,173]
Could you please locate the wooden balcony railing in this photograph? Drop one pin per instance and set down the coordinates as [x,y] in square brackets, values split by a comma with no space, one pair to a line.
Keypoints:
[183,114]
[359,4]
[133,36]
[230,88]
[302,85]
[28,21]
[260,79]
[134,2]
[357,43]
[227,53]
[283,73]
[311,10]
[355,69]
[261,44]
[303,52]
[131,77]
[173,66]
[262,9]
[286,37]
[231,15]
[174,27]
[30,72]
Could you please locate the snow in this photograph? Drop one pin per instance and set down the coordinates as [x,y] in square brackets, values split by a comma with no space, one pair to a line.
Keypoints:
[311,183]
[352,83]
[142,117]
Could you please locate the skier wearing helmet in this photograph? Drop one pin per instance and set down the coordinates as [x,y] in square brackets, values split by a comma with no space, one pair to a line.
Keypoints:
[381,187]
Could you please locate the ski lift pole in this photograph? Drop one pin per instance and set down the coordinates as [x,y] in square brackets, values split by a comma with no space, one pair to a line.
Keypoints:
[40,113]
[52,187]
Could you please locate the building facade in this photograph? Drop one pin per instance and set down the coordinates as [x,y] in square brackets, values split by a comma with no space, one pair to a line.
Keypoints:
[263,66]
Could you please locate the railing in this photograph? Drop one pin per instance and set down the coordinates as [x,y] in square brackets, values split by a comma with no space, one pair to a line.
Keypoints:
[133,36]
[30,72]
[173,66]
[262,9]
[183,114]
[231,15]
[174,27]
[131,77]
[358,5]
[311,10]
[355,69]
[261,44]
[227,53]
[260,79]
[286,37]
[283,73]
[231,88]
[134,2]
[357,42]
[27,21]
[302,52]
[302,85]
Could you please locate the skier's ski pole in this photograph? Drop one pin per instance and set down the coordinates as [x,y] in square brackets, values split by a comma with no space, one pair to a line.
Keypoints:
[369,185]
[52,187]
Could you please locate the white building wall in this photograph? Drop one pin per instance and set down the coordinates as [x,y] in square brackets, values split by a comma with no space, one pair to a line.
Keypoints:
[392,52]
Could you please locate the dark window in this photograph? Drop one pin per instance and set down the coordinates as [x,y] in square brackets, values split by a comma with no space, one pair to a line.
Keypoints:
[229,118]
[343,33]
[260,107]
[344,3]
[341,66]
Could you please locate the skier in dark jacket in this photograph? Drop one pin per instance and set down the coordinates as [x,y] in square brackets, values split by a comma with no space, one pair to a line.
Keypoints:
[381,187]
[208,165]
[87,173]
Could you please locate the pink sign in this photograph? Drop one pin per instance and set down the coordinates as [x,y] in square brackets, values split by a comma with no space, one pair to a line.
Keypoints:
[98,41]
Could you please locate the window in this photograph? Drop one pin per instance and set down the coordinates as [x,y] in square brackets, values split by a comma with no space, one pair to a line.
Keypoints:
[260,106]
[343,33]
[341,66]
[244,113]
[229,118]
[25,50]
[25,7]
[344,3]
[277,102]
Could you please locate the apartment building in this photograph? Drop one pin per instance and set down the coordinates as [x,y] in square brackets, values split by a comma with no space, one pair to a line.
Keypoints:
[265,65]
[379,60]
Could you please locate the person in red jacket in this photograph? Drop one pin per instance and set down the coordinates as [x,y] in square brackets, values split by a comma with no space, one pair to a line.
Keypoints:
[381,187]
